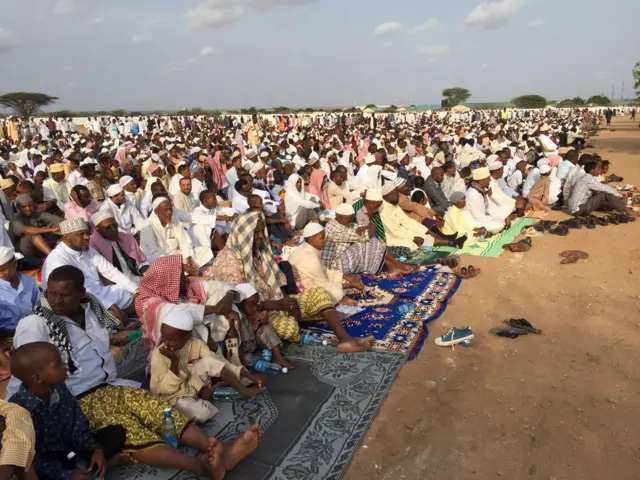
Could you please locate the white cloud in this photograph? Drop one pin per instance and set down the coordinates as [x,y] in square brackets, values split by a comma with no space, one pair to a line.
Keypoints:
[217,13]
[140,38]
[208,50]
[536,23]
[387,28]
[434,51]
[7,40]
[494,14]
[423,27]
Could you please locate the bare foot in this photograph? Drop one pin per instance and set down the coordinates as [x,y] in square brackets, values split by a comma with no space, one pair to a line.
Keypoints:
[349,302]
[283,363]
[259,380]
[215,459]
[251,392]
[355,345]
[241,447]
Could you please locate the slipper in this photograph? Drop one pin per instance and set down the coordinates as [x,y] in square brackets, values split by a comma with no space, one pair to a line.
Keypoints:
[561,230]
[522,324]
[508,332]
[547,224]
[527,241]
[622,218]
[573,223]
[516,247]
[538,227]
[470,272]
[591,223]
[579,253]
[452,261]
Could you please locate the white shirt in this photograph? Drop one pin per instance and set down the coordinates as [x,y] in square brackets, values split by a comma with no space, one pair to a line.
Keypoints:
[128,217]
[74,178]
[91,352]
[157,241]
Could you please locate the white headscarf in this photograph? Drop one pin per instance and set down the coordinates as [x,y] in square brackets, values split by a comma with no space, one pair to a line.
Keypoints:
[294,198]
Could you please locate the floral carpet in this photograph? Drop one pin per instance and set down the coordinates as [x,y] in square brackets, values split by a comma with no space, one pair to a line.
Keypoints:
[313,418]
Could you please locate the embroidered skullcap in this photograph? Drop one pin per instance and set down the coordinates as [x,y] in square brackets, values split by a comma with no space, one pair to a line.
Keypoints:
[56,168]
[387,188]
[73,224]
[497,165]
[399,182]
[101,215]
[480,173]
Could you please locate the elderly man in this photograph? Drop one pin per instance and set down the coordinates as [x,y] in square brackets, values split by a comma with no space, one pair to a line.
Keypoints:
[478,203]
[56,186]
[165,236]
[119,248]
[353,250]
[402,231]
[18,293]
[75,250]
[33,233]
[126,214]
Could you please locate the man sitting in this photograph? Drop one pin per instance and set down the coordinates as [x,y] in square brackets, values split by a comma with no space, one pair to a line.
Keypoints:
[591,195]
[126,214]
[539,196]
[18,293]
[57,186]
[76,322]
[75,250]
[119,248]
[432,187]
[478,203]
[184,199]
[33,233]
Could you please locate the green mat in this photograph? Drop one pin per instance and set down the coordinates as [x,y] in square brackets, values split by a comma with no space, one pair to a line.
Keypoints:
[491,248]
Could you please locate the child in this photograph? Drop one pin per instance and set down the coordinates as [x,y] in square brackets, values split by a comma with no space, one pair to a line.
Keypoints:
[254,331]
[17,443]
[59,423]
[182,368]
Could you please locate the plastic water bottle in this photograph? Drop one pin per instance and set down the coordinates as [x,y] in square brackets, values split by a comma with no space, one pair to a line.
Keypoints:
[267,367]
[308,339]
[168,429]
[225,393]
[77,463]
[267,355]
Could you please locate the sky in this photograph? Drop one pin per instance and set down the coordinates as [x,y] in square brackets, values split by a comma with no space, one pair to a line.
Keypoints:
[229,54]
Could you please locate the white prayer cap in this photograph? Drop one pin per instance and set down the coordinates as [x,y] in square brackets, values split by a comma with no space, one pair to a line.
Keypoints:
[6,255]
[542,161]
[430,155]
[264,154]
[196,150]
[104,150]
[480,173]
[100,216]
[345,209]
[544,169]
[179,319]
[312,160]
[159,201]
[492,158]
[373,195]
[405,154]
[312,229]
[496,165]
[369,159]
[399,182]
[114,190]
[256,167]
[73,224]
[387,188]
[124,180]
[246,290]
[251,153]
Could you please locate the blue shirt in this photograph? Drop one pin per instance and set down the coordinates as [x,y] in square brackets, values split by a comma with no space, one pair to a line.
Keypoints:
[16,304]
[508,191]
[60,428]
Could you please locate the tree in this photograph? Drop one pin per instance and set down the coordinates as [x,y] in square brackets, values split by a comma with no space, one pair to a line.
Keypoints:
[456,95]
[371,105]
[281,109]
[572,103]
[118,113]
[25,104]
[530,101]
[62,113]
[599,100]
[636,78]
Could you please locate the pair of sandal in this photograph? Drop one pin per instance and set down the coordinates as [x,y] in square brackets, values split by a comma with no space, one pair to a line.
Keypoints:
[515,327]
[544,225]
[572,256]
[618,218]
[523,245]
[469,272]
[561,230]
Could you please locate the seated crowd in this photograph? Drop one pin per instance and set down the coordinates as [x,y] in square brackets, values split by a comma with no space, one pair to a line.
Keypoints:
[220,241]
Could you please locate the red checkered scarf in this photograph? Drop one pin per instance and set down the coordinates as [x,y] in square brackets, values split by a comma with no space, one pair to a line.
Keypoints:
[159,287]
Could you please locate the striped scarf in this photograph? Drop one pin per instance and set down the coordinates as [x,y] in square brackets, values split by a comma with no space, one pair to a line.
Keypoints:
[58,332]
[380,235]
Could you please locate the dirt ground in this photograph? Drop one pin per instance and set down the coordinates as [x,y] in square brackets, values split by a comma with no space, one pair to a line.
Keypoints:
[562,405]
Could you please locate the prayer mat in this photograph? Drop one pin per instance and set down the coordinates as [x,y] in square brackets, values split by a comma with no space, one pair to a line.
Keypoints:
[492,247]
[313,418]
[418,256]
[392,328]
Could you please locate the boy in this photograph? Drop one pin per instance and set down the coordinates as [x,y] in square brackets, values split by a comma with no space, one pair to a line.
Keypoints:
[59,423]
[182,368]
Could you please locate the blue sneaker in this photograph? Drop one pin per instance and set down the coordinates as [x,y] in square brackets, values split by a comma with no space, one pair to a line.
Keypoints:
[454,336]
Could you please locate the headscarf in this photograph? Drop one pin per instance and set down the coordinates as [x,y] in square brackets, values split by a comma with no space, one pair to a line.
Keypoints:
[293,197]
[216,170]
[554,160]
[240,244]
[317,187]
[161,286]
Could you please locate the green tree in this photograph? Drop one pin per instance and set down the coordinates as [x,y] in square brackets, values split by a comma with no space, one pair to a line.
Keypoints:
[281,109]
[62,113]
[636,78]
[572,103]
[118,113]
[599,100]
[456,95]
[371,105]
[25,104]
[530,101]
[309,110]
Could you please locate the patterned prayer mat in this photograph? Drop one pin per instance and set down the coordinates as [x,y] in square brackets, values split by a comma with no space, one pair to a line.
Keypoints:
[393,329]
[313,418]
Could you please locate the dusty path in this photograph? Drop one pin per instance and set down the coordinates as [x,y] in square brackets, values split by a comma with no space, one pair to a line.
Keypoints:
[564,405]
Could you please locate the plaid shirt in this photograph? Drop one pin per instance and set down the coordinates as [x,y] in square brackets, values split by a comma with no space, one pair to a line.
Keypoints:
[339,239]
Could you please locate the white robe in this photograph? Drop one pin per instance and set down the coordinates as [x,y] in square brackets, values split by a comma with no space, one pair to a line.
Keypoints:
[476,211]
[92,264]
[500,205]
[127,215]
[58,190]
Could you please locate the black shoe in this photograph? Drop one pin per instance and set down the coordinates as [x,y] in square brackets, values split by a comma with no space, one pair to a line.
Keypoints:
[459,243]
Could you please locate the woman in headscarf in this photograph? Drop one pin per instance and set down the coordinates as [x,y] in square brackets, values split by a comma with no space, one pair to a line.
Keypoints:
[165,288]
[247,258]
[297,202]
[318,187]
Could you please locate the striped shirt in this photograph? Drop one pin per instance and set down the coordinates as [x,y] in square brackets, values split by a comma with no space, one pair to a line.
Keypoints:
[18,437]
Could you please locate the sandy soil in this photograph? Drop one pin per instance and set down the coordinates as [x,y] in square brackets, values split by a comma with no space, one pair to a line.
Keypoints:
[563,405]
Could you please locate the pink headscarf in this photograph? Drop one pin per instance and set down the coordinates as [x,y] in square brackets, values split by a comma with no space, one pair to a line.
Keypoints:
[125,241]
[365,150]
[121,155]
[216,170]
[554,160]
[317,188]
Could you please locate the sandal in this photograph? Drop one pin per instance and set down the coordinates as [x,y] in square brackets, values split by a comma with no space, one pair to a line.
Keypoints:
[522,324]
[602,221]
[573,223]
[561,230]
[591,223]
[467,273]
[614,219]
[547,224]
[508,332]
